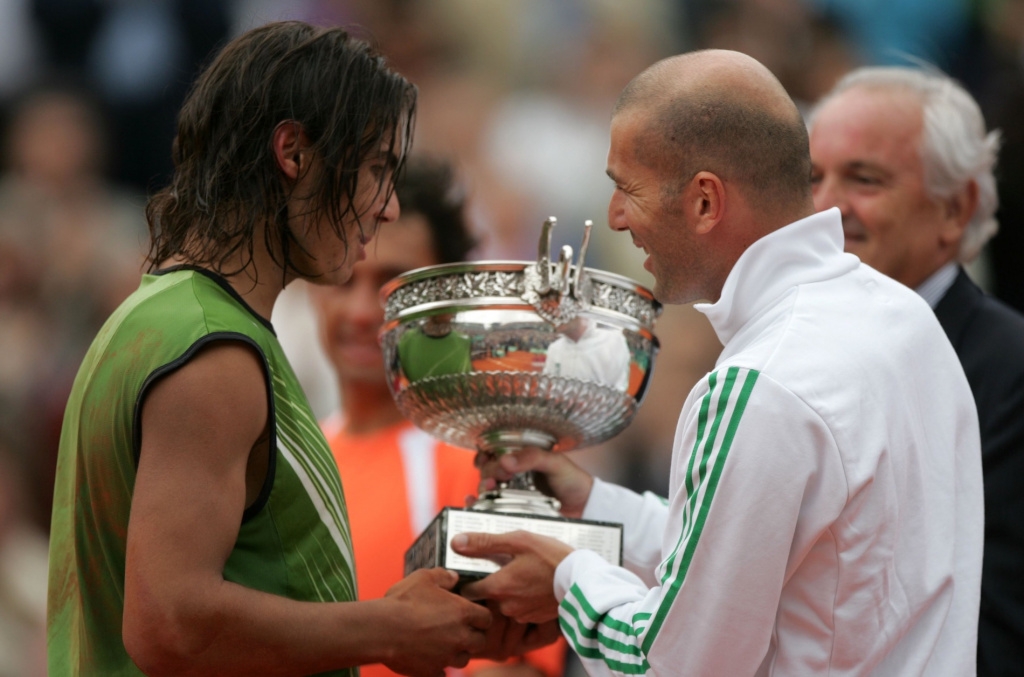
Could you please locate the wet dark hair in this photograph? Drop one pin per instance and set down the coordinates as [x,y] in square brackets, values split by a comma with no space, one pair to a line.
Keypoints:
[227,183]
[428,187]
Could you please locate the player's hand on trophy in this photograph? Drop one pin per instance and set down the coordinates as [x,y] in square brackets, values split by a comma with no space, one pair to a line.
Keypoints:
[507,638]
[556,475]
[523,589]
[434,627]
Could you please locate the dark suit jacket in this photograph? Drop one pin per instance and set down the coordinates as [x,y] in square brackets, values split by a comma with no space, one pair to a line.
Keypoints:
[988,336]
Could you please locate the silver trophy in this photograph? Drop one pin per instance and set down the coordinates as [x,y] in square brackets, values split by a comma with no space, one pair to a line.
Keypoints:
[500,355]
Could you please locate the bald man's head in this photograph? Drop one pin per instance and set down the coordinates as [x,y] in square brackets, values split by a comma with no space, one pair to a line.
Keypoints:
[722,112]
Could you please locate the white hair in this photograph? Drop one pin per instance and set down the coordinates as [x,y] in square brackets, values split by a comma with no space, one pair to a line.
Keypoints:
[955,148]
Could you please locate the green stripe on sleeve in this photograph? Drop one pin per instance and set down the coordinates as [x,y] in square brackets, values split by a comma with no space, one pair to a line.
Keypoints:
[589,652]
[589,642]
[702,448]
[675,581]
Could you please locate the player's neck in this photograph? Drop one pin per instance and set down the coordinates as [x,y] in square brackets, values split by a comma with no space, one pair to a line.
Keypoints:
[261,282]
[258,279]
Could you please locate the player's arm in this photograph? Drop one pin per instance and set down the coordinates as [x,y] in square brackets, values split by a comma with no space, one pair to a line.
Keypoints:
[200,424]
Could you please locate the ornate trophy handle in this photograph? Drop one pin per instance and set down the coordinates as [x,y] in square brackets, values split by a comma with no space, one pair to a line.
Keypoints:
[558,291]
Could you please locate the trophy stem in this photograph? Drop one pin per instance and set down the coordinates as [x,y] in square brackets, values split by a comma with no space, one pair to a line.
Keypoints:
[519,494]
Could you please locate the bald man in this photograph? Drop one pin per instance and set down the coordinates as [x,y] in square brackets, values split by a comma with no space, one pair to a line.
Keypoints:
[825,505]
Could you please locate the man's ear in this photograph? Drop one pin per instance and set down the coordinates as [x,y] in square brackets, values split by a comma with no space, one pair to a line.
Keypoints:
[707,203]
[958,209]
[289,142]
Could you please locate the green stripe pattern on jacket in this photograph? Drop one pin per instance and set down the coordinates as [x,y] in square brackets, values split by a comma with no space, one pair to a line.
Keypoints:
[623,644]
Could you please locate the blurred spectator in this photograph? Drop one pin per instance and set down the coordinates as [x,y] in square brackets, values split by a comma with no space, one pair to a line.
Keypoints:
[459,54]
[138,58]
[19,49]
[886,32]
[70,248]
[294,321]
[549,138]
[994,70]
[244,15]
[806,50]
[23,557]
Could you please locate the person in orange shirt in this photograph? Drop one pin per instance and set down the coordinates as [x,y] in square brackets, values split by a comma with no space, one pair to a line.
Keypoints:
[395,476]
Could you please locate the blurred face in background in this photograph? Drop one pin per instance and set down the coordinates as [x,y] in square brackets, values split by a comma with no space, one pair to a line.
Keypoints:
[55,140]
[351,315]
[866,159]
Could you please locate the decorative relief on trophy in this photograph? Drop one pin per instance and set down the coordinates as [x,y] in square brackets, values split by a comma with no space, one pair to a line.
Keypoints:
[499,355]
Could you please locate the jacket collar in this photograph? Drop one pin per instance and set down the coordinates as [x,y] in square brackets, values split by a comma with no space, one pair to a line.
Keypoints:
[803,252]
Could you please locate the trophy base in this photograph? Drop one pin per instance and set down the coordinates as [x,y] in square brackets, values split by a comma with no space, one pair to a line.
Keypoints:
[433,547]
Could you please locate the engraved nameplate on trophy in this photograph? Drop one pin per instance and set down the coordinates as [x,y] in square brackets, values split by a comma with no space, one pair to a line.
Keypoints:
[433,547]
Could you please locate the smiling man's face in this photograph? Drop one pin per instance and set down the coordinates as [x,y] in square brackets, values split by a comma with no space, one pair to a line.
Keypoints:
[650,207]
[866,158]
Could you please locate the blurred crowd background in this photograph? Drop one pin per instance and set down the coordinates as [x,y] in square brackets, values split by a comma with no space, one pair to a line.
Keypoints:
[517,93]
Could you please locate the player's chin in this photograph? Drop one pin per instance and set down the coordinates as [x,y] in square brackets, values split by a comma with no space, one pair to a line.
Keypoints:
[335,277]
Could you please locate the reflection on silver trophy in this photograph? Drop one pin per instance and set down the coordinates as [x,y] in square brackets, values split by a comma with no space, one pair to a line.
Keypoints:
[500,355]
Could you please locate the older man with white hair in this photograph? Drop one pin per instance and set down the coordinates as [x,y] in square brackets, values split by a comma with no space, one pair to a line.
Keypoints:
[905,156]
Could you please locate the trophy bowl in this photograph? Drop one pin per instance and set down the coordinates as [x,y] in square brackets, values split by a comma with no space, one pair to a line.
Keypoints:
[500,355]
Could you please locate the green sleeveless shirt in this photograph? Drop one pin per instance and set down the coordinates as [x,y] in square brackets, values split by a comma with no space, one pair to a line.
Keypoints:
[293,541]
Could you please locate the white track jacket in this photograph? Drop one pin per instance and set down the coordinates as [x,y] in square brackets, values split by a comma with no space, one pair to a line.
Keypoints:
[825,506]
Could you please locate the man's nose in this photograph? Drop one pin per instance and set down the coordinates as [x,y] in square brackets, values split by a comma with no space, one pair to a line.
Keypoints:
[388,213]
[617,212]
[390,210]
